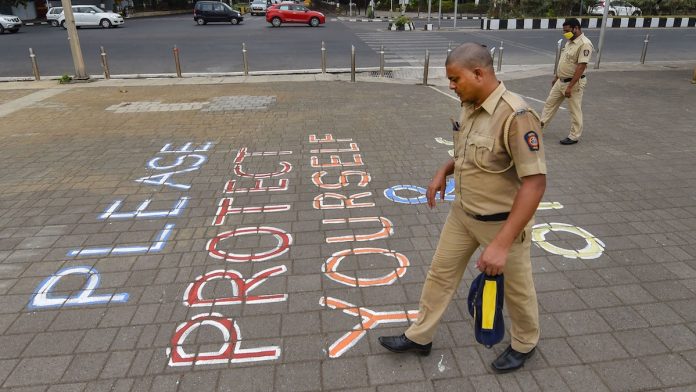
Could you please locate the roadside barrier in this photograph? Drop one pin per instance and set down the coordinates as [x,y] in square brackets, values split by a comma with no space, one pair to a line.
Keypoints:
[426,64]
[177,63]
[381,61]
[104,63]
[34,64]
[246,59]
[352,63]
[645,48]
[323,57]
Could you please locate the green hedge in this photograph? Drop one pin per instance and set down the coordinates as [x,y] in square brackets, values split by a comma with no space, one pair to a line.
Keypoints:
[561,8]
[463,7]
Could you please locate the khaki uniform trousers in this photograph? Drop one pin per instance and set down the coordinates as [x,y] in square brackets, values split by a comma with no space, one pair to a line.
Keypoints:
[460,238]
[554,101]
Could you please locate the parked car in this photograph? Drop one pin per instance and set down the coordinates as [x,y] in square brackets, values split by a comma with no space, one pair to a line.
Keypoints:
[615,8]
[10,23]
[293,13]
[258,7]
[215,11]
[53,14]
[90,15]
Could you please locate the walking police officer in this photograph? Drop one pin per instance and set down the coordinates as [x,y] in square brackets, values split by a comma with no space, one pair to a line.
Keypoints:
[500,176]
[569,81]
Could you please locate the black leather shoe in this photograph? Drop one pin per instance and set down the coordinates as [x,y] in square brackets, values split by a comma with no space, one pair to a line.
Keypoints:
[510,360]
[568,141]
[401,344]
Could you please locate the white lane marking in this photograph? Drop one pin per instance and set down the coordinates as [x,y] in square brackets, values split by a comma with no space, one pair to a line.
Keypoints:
[538,100]
[444,93]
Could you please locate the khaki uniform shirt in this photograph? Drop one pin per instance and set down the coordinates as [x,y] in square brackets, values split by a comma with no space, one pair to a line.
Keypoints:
[480,150]
[574,52]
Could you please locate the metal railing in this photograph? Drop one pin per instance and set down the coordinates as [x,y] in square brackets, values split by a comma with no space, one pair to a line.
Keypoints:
[495,52]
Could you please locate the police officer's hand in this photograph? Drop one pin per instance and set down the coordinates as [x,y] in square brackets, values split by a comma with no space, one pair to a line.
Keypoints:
[568,92]
[437,184]
[492,260]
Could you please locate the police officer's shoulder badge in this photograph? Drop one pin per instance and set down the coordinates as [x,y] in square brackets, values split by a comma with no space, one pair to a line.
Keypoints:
[532,140]
[586,52]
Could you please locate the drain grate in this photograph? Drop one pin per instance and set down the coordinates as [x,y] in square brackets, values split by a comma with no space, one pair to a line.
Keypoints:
[387,74]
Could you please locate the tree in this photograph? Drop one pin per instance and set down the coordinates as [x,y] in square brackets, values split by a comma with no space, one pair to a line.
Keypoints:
[12,3]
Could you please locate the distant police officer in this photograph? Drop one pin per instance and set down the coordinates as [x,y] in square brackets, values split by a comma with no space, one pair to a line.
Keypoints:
[500,177]
[569,81]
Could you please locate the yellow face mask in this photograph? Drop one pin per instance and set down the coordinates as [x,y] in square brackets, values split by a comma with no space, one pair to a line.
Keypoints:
[568,35]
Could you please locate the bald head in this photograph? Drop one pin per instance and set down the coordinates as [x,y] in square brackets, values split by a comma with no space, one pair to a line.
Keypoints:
[470,56]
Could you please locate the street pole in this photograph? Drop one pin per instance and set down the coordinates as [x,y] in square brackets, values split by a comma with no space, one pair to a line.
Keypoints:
[430,4]
[455,13]
[78,61]
[601,34]
[439,15]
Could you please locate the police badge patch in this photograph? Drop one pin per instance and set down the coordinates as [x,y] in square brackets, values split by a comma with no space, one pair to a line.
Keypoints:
[586,52]
[532,140]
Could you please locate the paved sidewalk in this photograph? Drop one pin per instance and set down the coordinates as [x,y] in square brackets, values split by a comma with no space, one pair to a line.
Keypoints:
[194,235]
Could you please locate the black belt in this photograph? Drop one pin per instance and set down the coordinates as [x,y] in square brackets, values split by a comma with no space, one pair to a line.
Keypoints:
[492,218]
[566,80]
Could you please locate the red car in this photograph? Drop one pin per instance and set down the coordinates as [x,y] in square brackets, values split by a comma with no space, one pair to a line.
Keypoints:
[293,13]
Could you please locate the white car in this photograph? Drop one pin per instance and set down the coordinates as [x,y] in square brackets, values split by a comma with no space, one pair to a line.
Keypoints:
[53,14]
[258,7]
[615,8]
[89,15]
[10,23]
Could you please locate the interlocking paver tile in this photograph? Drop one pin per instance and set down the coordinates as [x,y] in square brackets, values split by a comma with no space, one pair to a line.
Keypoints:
[300,376]
[671,369]
[38,370]
[558,352]
[72,387]
[623,317]
[85,367]
[582,322]
[626,375]
[485,383]
[469,361]
[344,373]
[383,369]
[676,337]
[658,314]
[595,348]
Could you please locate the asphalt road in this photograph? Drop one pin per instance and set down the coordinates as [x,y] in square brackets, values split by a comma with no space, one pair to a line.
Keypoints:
[145,45]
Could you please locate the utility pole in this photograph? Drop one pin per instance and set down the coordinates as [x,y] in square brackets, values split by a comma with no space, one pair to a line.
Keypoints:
[601,34]
[78,61]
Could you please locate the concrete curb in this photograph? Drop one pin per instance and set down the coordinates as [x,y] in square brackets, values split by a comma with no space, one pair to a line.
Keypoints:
[400,75]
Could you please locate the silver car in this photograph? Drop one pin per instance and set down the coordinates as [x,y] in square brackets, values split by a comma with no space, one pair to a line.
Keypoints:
[258,7]
[89,15]
[10,23]
[53,14]
[616,8]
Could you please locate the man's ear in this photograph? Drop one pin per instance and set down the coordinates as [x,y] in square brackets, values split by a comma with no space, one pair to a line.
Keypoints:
[478,73]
